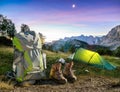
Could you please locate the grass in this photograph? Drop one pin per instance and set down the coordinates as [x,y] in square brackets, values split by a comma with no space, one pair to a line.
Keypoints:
[81,67]
[6,60]
[114,60]
[5,85]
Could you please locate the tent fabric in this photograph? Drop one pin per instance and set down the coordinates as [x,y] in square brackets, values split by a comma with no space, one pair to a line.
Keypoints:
[92,58]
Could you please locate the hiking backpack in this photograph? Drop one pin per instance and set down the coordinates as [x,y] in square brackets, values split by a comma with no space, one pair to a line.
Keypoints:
[29,60]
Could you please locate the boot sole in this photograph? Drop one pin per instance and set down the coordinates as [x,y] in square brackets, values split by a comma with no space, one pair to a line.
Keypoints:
[59,81]
[71,80]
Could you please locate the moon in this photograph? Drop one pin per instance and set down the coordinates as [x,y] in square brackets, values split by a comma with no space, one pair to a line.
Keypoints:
[73,6]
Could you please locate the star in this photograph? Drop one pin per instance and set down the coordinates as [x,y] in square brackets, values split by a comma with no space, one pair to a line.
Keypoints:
[73,6]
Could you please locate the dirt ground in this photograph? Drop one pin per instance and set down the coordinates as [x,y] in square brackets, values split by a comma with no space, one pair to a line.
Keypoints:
[83,84]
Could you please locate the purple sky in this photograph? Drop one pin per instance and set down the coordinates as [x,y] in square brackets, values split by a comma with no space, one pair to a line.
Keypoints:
[58,19]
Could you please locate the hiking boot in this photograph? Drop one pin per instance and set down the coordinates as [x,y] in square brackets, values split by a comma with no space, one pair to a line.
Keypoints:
[56,73]
[68,72]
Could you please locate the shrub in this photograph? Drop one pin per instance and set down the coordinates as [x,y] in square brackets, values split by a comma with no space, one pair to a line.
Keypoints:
[5,41]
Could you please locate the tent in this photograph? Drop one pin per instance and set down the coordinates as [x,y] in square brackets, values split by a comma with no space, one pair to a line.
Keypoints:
[92,58]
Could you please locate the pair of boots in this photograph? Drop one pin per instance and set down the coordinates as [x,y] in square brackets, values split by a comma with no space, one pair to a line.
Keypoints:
[62,77]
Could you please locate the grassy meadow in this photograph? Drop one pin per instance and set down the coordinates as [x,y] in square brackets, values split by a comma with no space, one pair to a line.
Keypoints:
[6,59]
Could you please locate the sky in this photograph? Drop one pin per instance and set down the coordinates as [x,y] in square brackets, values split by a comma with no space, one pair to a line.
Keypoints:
[57,19]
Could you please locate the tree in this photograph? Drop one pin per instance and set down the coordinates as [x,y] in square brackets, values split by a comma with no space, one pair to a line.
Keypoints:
[104,51]
[117,52]
[7,27]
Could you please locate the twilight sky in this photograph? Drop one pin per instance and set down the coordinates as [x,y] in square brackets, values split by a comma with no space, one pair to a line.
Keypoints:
[63,18]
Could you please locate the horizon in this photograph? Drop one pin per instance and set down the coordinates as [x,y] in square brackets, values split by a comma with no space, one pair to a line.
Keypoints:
[57,19]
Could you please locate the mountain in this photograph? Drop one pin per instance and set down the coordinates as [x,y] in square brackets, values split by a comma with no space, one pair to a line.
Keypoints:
[71,45]
[65,45]
[88,39]
[112,39]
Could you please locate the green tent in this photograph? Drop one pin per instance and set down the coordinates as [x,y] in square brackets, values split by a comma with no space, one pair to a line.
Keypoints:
[92,58]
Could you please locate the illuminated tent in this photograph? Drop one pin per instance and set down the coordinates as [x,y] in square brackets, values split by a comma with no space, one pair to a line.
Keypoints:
[92,58]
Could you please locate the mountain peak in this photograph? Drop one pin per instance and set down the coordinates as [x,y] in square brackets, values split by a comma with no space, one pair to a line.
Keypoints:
[114,33]
[112,39]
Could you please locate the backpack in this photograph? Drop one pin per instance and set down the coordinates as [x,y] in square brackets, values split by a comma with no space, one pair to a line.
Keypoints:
[29,60]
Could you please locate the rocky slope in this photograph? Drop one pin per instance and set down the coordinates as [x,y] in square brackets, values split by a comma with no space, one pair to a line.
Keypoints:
[112,39]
